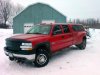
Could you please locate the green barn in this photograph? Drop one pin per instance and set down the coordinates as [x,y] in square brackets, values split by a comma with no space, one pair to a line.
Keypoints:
[35,14]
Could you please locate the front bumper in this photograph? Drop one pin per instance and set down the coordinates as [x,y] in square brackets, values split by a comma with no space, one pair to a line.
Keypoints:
[16,55]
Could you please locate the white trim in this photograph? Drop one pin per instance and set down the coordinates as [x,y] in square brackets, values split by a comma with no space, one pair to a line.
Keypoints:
[48,21]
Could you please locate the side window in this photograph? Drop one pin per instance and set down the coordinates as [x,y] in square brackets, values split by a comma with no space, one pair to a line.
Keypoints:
[57,30]
[75,28]
[78,28]
[65,28]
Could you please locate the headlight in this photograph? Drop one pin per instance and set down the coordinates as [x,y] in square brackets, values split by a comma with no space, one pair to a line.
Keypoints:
[26,46]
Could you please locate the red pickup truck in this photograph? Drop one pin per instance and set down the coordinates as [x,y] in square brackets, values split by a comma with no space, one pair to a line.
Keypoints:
[41,41]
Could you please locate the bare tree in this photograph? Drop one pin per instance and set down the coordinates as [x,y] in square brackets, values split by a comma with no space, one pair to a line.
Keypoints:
[90,22]
[5,10]
[16,9]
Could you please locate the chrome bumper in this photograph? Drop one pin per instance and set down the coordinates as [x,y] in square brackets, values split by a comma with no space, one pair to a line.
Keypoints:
[28,57]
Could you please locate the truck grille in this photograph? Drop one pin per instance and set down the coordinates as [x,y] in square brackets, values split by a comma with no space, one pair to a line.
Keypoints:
[14,44]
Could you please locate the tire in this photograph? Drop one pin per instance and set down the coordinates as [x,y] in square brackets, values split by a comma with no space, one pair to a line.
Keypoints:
[82,46]
[41,59]
[11,58]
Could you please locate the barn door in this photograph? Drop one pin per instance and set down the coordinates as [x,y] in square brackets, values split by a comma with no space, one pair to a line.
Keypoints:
[27,26]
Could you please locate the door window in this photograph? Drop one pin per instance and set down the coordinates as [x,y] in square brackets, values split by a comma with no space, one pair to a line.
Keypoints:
[65,28]
[78,28]
[57,30]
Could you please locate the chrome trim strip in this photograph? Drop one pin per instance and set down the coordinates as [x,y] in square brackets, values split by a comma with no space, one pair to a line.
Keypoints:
[28,57]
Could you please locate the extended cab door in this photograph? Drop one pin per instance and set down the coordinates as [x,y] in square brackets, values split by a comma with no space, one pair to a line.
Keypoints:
[78,33]
[56,38]
[67,35]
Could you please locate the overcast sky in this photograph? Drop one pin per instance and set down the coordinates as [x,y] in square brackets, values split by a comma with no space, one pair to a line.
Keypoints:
[71,8]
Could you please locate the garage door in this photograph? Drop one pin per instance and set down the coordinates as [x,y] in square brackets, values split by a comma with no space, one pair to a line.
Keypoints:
[27,26]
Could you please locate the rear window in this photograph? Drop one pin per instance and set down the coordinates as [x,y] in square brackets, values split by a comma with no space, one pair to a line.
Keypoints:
[78,28]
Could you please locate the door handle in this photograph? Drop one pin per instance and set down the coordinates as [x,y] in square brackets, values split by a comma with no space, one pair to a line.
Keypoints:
[62,36]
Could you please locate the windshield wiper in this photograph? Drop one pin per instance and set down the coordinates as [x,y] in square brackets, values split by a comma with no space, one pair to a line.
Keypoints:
[34,33]
[28,33]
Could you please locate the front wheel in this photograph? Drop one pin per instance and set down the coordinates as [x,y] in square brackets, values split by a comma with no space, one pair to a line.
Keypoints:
[11,58]
[41,59]
[82,46]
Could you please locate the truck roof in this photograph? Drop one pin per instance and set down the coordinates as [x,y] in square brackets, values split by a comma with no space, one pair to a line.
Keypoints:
[59,24]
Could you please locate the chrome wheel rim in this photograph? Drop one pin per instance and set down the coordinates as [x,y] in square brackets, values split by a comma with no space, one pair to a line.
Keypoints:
[41,59]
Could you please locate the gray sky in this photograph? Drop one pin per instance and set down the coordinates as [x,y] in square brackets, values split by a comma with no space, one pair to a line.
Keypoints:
[71,8]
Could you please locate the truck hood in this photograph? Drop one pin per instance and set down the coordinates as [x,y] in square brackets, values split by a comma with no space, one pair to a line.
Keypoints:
[28,36]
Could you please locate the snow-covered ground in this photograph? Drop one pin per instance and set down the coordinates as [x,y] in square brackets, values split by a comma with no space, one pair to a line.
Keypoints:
[71,61]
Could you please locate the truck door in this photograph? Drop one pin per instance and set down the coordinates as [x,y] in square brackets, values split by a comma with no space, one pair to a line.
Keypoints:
[77,34]
[57,38]
[67,35]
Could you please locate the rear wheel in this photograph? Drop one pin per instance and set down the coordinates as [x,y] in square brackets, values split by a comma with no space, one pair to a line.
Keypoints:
[42,58]
[82,46]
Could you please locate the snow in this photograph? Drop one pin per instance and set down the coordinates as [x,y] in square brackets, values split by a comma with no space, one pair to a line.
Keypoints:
[70,61]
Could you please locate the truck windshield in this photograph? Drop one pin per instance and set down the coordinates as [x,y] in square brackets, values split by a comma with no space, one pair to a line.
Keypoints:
[40,29]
